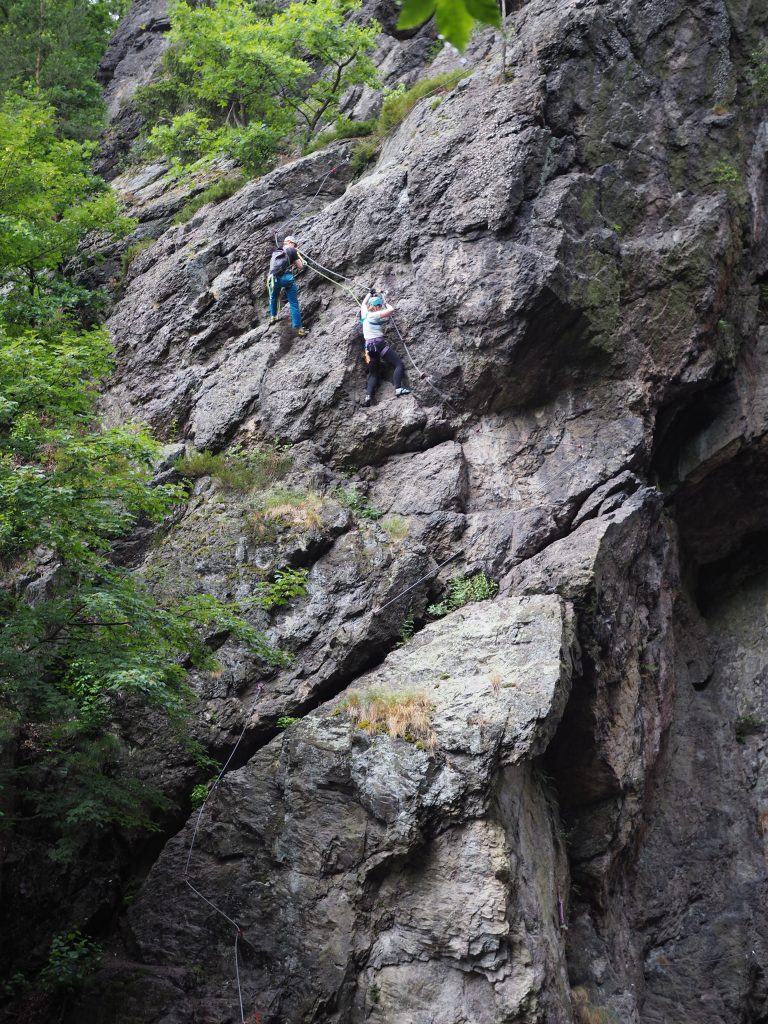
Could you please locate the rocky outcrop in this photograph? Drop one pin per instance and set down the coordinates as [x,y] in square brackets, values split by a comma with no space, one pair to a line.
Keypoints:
[578,255]
[130,61]
[397,882]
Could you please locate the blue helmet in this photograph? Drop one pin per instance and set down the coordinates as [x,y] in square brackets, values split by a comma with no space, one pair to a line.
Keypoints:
[376,301]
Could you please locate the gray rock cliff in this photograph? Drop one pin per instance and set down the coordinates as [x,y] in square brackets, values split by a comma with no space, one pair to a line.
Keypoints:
[579,258]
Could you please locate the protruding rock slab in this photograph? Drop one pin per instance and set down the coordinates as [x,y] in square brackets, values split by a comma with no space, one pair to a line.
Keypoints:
[372,874]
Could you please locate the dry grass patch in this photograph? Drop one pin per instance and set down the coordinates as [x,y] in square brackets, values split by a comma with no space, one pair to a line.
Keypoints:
[585,1012]
[495,678]
[285,511]
[406,715]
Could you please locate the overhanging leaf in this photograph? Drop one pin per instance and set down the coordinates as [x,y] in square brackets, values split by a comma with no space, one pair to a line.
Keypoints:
[415,12]
[455,18]
[454,22]
[485,11]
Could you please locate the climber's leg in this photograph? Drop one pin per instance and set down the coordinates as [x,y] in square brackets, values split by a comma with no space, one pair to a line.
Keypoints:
[396,362]
[292,294]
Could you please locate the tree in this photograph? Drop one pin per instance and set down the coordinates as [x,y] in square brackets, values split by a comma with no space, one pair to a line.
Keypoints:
[89,637]
[55,46]
[49,200]
[239,83]
[95,637]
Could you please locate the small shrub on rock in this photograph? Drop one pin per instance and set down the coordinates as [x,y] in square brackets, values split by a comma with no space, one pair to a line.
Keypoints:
[239,469]
[285,511]
[401,101]
[72,957]
[357,503]
[215,193]
[464,590]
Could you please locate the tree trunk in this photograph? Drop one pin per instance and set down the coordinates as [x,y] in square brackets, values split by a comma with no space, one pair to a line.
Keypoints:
[503,38]
[39,54]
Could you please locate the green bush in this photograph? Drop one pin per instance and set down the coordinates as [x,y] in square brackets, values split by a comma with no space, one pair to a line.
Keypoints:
[357,503]
[215,193]
[364,153]
[286,721]
[287,585]
[199,794]
[344,129]
[397,105]
[240,469]
[72,957]
[725,173]
[401,101]
[464,590]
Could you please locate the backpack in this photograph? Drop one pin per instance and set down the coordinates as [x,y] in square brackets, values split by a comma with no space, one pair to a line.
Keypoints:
[279,263]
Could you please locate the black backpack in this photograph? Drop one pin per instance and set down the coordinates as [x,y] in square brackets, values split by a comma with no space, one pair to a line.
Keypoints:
[279,263]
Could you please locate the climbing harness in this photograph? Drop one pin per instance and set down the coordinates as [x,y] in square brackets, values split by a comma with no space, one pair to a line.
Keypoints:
[238,930]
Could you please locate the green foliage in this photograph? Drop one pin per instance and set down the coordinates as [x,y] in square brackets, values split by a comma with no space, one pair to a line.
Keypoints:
[364,153]
[357,503]
[134,249]
[400,102]
[285,721]
[70,661]
[725,173]
[54,47]
[240,469]
[343,129]
[200,793]
[66,484]
[758,74]
[397,105]
[239,83]
[287,585]
[215,193]
[464,590]
[72,957]
[407,629]
[455,19]
[396,527]
[49,200]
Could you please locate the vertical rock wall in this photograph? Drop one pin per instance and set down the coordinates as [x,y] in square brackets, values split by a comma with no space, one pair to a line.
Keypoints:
[578,256]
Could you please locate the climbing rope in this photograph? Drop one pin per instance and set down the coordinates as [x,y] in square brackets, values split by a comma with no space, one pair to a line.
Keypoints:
[421,373]
[218,910]
[322,271]
[318,268]
[432,572]
[297,220]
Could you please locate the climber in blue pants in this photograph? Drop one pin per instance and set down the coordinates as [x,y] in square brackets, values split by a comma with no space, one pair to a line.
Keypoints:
[281,277]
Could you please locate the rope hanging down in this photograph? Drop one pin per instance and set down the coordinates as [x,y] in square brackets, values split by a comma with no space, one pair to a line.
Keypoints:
[432,572]
[297,220]
[218,910]
[325,271]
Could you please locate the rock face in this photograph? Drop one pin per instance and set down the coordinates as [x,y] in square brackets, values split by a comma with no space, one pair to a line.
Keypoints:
[399,883]
[579,257]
